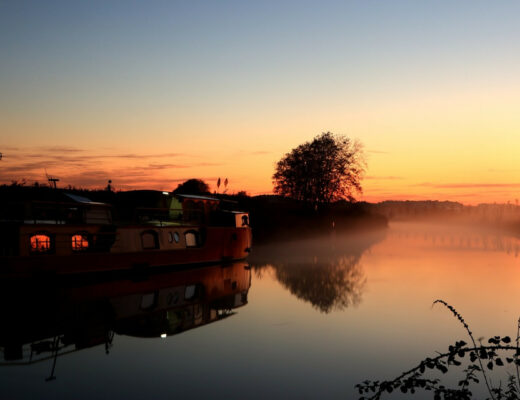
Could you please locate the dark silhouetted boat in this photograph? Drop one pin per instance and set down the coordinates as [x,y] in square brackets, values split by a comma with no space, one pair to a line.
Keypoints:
[64,233]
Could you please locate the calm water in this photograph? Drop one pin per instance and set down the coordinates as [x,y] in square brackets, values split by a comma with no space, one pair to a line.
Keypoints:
[308,319]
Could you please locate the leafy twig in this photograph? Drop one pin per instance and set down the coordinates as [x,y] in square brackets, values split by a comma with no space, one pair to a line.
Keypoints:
[414,378]
[463,322]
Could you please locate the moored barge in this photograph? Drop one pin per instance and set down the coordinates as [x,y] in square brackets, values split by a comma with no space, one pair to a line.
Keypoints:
[67,233]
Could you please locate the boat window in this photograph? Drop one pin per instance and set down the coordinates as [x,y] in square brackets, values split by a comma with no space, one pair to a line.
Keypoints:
[191,239]
[245,220]
[149,240]
[189,292]
[173,236]
[41,243]
[79,242]
[148,301]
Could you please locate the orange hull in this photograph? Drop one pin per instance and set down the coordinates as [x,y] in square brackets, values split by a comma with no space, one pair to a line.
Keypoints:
[221,244]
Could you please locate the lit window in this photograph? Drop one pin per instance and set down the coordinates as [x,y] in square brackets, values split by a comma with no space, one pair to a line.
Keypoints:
[191,239]
[79,242]
[245,220]
[40,243]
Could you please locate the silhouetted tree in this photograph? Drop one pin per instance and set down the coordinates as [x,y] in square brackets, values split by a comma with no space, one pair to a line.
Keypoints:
[192,186]
[327,169]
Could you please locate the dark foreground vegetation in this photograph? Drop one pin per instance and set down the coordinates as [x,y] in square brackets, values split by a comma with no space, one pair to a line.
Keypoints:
[475,360]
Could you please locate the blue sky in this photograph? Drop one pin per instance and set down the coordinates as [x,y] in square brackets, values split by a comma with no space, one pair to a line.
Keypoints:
[194,76]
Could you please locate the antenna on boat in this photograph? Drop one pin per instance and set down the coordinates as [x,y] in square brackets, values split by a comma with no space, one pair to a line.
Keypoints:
[55,345]
[52,181]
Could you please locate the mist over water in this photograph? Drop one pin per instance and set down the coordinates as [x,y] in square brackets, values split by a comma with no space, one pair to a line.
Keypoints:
[321,315]
[325,272]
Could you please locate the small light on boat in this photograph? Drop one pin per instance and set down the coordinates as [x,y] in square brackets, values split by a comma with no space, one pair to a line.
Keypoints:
[163,335]
[166,193]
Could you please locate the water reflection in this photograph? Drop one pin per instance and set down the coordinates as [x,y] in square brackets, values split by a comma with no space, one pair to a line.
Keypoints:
[44,320]
[455,238]
[324,272]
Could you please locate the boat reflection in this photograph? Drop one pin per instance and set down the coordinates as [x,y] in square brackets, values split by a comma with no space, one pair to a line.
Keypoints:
[43,320]
[324,272]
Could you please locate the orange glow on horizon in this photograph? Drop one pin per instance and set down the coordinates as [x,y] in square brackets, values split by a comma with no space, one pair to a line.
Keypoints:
[388,176]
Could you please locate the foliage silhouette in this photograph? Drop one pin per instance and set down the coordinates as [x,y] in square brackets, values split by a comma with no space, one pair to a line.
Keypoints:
[328,168]
[192,186]
[489,354]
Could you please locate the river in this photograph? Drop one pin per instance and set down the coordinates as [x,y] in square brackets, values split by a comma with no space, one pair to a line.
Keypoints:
[299,319]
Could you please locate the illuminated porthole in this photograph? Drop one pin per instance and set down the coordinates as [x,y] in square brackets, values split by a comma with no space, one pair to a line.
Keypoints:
[191,239]
[40,243]
[170,237]
[79,242]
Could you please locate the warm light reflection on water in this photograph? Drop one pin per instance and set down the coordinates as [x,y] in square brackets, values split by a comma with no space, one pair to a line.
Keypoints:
[390,325]
[322,315]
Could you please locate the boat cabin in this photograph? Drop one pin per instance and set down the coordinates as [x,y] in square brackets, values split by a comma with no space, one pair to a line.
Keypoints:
[55,230]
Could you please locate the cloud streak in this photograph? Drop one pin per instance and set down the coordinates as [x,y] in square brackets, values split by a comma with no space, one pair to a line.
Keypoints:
[483,185]
[165,166]
[61,149]
[81,168]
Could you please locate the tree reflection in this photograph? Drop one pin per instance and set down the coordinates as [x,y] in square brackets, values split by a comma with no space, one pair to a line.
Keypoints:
[327,286]
[326,273]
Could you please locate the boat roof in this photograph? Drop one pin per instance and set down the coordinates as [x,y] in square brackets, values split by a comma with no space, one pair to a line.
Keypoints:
[25,194]
[197,197]
[83,200]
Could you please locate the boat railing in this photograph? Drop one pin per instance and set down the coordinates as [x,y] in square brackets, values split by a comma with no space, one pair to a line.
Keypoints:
[31,354]
[168,216]
[50,349]
[58,213]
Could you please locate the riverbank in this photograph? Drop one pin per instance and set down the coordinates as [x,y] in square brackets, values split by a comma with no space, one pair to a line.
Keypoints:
[275,218]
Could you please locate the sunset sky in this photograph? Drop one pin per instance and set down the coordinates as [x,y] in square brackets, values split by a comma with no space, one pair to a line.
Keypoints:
[151,93]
